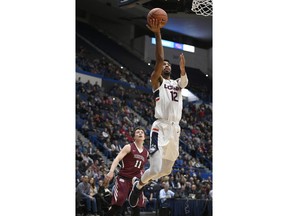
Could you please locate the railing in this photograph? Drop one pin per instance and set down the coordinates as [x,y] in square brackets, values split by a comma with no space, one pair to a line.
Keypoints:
[188,207]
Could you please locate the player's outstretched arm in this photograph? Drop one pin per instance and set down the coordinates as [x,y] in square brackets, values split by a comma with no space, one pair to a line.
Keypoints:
[159,54]
[183,82]
[120,156]
[182,64]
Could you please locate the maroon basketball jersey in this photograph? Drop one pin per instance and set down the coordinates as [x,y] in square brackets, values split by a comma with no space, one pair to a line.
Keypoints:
[133,163]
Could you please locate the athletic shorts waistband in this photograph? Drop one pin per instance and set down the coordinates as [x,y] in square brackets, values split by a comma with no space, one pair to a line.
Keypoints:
[168,121]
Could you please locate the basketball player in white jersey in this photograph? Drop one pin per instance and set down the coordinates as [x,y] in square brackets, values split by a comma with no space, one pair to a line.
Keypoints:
[165,131]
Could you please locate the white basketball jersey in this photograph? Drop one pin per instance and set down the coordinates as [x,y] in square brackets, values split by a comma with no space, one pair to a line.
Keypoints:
[168,99]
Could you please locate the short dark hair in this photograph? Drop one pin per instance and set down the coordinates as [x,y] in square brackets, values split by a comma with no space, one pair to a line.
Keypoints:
[167,61]
[139,128]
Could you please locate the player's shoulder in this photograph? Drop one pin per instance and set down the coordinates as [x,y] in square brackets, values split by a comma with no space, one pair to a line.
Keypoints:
[127,147]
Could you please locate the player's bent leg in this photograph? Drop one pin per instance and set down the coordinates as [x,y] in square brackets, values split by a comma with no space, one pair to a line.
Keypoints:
[154,169]
[167,166]
[164,170]
[151,173]
[133,198]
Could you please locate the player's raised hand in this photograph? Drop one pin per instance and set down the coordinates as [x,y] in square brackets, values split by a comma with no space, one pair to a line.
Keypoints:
[182,62]
[154,25]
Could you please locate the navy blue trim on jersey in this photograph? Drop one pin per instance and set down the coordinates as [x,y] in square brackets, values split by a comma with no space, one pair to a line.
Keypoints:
[156,94]
[153,143]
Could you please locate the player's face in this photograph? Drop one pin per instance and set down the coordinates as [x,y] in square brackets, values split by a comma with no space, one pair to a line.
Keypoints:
[166,68]
[139,135]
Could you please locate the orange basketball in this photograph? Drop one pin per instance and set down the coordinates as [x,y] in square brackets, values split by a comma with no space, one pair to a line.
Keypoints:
[158,13]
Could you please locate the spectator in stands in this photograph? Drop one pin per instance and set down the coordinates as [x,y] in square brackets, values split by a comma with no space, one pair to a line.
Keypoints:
[208,188]
[203,193]
[99,200]
[182,193]
[86,157]
[209,180]
[201,112]
[107,149]
[211,194]
[85,128]
[78,141]
[90,172]
[114,150]
[188,189]
[93,188]
[151,195]
[83,195]
[78,155]
[165,194]
[105,135]
[194,193]
[78,175]
[104,197]
[96,156]
[174,183]
[90,148]
[83,166]
[198,164]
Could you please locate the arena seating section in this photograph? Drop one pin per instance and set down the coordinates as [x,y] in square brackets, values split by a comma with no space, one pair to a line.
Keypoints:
[106,115]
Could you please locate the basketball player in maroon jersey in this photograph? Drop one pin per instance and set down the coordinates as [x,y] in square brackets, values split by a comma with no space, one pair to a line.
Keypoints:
[132,158]
[165,131]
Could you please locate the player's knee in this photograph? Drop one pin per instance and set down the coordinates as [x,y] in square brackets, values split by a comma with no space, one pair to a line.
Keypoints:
[166,172]
[155,171]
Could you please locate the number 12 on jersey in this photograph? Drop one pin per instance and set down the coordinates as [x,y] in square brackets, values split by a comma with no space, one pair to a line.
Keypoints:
[174,95]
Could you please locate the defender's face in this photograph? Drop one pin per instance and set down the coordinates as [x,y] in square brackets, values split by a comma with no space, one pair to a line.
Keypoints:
[139,134]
